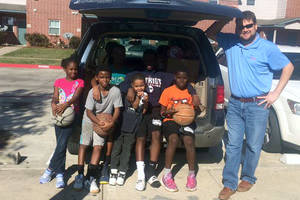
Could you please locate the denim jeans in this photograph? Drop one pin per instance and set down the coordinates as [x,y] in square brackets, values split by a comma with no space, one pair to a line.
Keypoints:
[247,119]
[58,160]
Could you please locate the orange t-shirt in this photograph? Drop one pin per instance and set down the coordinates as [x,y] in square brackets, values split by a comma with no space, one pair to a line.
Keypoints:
[172,96]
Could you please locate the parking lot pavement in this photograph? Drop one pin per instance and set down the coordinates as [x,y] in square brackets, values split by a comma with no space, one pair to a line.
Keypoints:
[24,121]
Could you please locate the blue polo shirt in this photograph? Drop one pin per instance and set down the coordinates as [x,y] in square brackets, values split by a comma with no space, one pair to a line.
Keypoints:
[250,67]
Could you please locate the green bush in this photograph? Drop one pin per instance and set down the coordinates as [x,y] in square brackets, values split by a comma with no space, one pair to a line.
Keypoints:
[74,42]
[37,39]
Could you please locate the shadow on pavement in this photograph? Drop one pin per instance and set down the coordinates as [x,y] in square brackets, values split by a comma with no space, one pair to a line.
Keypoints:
[203,156]
[68,192]
[20,114]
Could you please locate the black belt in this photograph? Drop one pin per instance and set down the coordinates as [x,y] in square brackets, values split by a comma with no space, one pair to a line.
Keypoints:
[245,100]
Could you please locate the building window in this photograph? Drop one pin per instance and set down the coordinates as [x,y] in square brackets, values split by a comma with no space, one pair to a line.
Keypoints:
[251,2]
[9,22]
[54,27]
[240,2]
[214,1]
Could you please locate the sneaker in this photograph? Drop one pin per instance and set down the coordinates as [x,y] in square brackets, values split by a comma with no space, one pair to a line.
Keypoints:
[140,185]
[191,184]
[46,177]
[168,183]
[154,182]
[60,183]
[113,179]
[78,184]
[92,186]
[104,178]
[121,178]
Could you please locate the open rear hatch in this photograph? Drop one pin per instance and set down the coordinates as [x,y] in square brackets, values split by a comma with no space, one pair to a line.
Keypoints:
[185,12]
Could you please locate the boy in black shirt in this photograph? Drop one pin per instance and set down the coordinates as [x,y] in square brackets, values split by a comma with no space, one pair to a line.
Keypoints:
[132,116]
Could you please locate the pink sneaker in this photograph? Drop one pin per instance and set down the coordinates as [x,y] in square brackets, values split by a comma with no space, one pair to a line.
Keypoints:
[191,184]
[169,183]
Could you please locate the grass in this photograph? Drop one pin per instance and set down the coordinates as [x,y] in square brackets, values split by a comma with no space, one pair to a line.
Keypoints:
[36,55]
[29,61]
[50,53]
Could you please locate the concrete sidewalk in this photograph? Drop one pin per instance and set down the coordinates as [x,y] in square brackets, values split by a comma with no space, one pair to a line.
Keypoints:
[277,182]
[8,49]
[24,116]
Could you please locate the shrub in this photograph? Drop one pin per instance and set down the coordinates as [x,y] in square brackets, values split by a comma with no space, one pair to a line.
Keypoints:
[74,42]
[37,39]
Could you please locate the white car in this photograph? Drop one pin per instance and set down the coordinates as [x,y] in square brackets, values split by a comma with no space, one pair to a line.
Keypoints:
[283,128]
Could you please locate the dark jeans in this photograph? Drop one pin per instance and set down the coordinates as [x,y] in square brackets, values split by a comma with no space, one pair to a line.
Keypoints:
[58,160]
[121,152]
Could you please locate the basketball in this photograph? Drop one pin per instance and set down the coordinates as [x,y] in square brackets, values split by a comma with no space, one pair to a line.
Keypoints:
[65,119]
[105,118]
[185,114]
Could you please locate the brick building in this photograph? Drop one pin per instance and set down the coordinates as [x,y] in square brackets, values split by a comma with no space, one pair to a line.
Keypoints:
[204,24]
[12,21]
[53,18]
[279,19]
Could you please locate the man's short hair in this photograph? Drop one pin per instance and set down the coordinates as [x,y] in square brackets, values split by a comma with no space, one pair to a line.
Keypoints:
[102,69]
[184,70]
[138,76]
[248,15]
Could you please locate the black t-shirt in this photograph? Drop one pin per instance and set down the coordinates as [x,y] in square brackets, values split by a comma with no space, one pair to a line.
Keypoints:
[131,117]
[156,83]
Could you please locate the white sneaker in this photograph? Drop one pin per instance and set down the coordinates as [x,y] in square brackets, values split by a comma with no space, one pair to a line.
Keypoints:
[121,178]
[78,184]
[92,186]
[113,179]
[154,182]
[140,185]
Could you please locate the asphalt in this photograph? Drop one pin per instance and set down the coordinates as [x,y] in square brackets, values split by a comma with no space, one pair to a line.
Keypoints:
[25,128]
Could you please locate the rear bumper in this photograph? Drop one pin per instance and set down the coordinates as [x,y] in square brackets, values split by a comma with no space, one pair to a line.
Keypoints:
[210,138]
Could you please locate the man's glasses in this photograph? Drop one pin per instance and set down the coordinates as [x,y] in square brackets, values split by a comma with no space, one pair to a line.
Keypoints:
[241,27]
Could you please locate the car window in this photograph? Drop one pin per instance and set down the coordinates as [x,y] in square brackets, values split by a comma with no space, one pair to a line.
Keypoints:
[184,52]
[141,48]
[295,59]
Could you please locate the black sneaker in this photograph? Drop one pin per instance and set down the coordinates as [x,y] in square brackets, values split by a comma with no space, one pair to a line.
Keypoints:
[104,178]
[154,182]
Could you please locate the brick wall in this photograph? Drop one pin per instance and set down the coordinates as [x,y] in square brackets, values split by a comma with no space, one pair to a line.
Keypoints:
[229,28]
[40,11]
[293,8]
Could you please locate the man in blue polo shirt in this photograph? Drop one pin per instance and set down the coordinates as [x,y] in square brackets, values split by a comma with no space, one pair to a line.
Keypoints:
[251,61]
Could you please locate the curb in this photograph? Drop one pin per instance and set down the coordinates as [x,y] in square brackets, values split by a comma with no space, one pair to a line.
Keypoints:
[29,66]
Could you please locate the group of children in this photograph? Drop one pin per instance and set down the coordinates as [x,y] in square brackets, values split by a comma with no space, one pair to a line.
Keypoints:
[141,105]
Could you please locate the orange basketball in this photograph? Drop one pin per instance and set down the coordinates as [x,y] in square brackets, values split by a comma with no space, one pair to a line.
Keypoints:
[105,118]
[185,114]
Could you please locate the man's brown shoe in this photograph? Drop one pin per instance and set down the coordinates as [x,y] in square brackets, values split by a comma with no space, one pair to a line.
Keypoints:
[244,186]
[226,193]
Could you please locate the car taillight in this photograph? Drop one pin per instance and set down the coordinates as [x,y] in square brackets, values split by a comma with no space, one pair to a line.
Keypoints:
[220,97]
